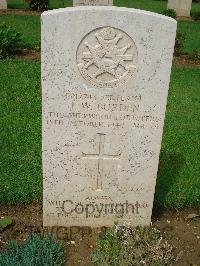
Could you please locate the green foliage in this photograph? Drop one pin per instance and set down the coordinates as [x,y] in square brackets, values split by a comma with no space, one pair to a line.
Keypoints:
[170,13]
[9,40]
[195,15]
[38,5]
[28,25]
[132,246]
[35,251]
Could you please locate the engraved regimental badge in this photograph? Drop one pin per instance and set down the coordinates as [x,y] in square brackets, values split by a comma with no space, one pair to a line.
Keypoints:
[107,57]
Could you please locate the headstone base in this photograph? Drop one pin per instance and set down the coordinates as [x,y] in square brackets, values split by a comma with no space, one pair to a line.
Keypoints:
[182,7]
[3,4]
[92,2]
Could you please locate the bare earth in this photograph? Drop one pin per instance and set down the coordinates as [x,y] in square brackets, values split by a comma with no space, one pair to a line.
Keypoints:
[182,233]
[12,11]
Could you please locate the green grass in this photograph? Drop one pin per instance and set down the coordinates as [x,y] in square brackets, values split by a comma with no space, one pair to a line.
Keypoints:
[28,25]
[179,169]
[191,33]
[17,4]
[150,5]
[20,135]
[20,153]
[59,3]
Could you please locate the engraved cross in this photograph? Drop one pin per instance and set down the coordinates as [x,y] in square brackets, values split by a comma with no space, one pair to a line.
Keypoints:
[101,156]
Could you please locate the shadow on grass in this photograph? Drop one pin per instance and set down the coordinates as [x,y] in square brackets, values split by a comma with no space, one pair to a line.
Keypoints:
[170,165]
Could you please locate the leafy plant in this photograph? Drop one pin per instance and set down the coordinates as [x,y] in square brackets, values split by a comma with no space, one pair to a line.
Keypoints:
[170,13]
[132,246]
[35,251]
[38,5]
[9,40]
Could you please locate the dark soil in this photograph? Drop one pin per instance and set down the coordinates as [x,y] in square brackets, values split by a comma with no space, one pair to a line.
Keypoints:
[180,231]
[185,60]
[29,54]
[185,18]
[13,11]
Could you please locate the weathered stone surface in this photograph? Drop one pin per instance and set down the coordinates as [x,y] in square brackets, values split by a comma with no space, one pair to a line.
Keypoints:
[92,2]
[3,4]
[182,7]
[104,86]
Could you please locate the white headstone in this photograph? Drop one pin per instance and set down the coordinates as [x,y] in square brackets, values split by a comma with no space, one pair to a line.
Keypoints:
[92,2]
[3,4]
[182,7]
[104,86]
